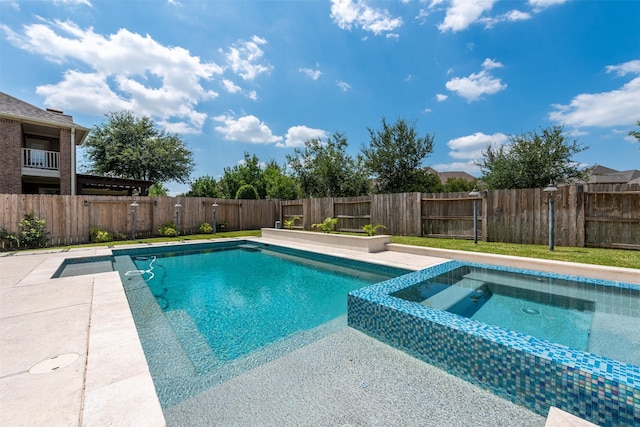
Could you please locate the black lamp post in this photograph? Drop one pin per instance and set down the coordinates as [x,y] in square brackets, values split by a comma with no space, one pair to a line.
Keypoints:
[476,194]
[133,205]
[550,189]
[215,205]
[177,206]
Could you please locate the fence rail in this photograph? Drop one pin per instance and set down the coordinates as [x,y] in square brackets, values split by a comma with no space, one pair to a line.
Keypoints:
[589,215]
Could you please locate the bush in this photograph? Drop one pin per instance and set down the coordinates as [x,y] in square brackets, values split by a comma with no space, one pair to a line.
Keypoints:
[98,235]
[327,226]
[247,191]
[371,229]
[289,223]
[168,229]
[205,228]
[32,231]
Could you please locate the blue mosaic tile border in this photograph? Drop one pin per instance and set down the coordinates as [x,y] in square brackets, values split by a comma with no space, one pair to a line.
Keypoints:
[532,372]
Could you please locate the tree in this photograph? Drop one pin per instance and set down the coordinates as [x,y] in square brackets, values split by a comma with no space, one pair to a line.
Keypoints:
[324,169]
[157,189]
[635,133]
[532,160]
[279,185]
[459,185]
[395,157]
[247,191]
[204,186]
[248,172]
[127,146]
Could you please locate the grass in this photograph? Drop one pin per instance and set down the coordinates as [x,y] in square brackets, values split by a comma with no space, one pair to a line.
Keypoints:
[599,256]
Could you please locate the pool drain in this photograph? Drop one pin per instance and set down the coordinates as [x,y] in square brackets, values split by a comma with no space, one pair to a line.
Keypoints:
[532,311]
[53,364]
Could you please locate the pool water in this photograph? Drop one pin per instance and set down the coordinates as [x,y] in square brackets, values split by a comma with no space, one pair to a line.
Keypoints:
[554,309]
[205,316]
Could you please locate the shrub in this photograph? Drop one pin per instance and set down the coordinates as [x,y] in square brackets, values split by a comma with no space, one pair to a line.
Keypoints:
[327,226]
[289,223]
[32,231]
[371,229]
[5,235]
[205,228]
[98,235]
[247,191]
[168,229]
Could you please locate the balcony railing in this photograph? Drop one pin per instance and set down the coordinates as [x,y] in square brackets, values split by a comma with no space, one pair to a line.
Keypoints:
[40,159]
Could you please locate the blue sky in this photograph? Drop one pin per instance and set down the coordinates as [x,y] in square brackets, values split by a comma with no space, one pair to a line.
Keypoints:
[264,76]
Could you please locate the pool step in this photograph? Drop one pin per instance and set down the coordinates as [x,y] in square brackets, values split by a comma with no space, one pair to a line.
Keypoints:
[453,294]
[195,345]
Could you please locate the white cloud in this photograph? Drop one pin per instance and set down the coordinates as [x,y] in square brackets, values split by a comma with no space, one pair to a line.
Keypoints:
[615,108]
[243,57]
[462,13]
[246,129]
[511,16]
[343,85]
[472,146]
[538,5]
[297,135]
[441,97]
[631,67]
[230,86]
[311,73]
[349,13]
[120,71]
[477,84]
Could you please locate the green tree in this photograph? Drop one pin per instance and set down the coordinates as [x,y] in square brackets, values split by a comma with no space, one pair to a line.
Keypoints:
[279,185]
[247,191]
[204,186]
[635,133]
[324,169]
[395,157]
[157,189]
[127,146]
[532,160]
[458,185]
[248,172]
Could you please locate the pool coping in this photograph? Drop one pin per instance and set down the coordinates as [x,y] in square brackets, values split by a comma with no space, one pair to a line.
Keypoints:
[111,382]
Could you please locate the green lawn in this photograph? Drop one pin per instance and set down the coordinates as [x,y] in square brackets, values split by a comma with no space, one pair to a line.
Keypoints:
[609,257]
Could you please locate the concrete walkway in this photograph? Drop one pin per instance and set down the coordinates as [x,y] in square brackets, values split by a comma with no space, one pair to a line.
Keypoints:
[70,355]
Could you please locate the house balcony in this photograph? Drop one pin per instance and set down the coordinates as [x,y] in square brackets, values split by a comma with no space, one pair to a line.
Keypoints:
[40,163]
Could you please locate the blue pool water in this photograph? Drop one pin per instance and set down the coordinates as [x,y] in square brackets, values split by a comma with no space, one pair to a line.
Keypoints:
[555,310]
[207,315]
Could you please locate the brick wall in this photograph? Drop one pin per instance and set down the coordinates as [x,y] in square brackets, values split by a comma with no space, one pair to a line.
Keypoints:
[10,153]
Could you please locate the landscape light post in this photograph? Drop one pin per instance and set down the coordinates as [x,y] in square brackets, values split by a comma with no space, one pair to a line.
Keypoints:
[177,207]
[215,205]
[476,194]
[133,205]
[550,189]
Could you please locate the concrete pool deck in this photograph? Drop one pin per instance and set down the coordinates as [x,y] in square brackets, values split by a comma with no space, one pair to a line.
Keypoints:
[70,355]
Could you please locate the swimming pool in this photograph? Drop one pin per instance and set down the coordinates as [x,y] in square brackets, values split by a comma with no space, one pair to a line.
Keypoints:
[409,312]
[208,312]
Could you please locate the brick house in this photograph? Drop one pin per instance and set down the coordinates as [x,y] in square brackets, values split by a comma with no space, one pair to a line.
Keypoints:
[38,149]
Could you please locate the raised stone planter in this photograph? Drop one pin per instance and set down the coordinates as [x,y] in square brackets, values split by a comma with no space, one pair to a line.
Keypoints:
[355,243]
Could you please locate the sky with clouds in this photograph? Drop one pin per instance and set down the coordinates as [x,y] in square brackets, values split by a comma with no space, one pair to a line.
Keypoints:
[264,76]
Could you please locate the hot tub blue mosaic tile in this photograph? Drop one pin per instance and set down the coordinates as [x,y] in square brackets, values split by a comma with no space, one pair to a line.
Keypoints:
[529,371]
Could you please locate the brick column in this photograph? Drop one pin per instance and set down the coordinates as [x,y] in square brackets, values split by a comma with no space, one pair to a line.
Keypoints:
[11,155]
[65,161]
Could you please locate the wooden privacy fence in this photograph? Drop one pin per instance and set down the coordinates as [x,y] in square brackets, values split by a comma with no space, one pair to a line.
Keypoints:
[589,215]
